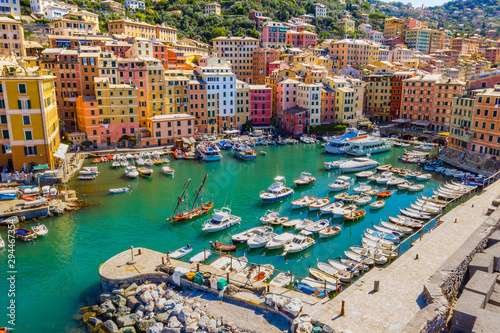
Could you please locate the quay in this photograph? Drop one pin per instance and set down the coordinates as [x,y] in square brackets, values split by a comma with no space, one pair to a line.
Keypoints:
[395,305]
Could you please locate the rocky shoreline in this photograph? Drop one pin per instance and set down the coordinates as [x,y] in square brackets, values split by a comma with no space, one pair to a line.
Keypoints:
[157,308]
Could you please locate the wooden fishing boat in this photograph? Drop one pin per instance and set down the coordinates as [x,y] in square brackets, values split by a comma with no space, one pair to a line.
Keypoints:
[86,177]
[377,204]
[181,252]
[168,170]
[223,247]
[354,215]
[25,234]
[330,231]
[406,222]
[119,190]
[182,212]
[385,167]
[364,174]
[340,274]
[40,230]
[373,191]
[397,227]
[304,179]
[303,202]
[415,188]
[244,236]
[385,194]
[279,221]
[320,203]
[200,257]
[281,280]
[179,154]
[354,264]
[143,171]
[368,253]
[322,276]
[311,290]
[269,217]
[291,223]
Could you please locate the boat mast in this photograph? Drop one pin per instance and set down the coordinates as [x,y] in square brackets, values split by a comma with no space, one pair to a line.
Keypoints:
[180,198]
[199,191]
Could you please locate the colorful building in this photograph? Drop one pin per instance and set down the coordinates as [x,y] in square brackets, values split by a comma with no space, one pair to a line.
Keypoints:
[12,38]
[486,123]
[418,39]
[238,51]
[346,25]
[165,129]
[274,35]
[303,39]
[212,8]
[394,27]
[378,96]
[461,118]
[262,58]
[328,96]
[309,97]
[72,24]
[319,10]
[141,29]
[260,104]
[198,102]
[242,104]
[492,54]
[354,52]
[286,98]
[295,121]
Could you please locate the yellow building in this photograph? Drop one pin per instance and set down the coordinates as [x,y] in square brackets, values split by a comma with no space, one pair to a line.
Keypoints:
[156,83]
[176,94]
[345,100]
[346,25]
[354,52]
[29,122]
[394,27]
[12,38]
[242,103]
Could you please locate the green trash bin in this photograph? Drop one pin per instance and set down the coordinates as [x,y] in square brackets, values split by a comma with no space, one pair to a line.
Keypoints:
[198,278]
[221,284]
[317,329]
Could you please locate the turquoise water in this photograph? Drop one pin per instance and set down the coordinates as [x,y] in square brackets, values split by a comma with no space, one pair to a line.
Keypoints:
[58,274]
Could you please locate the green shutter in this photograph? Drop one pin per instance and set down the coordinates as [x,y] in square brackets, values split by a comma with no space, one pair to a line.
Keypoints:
[26,151]
[29,104]
[3,118]
[34,149]
[3,149]
[19,104]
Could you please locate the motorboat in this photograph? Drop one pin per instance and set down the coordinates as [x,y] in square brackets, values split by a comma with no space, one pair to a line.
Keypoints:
[375,255]
[89,171]
[306,289]
[115,164]
[317,226]
[369,145]
[333,165]
[221,220]
[244,152]
[281,280]
[404,185]
[414,214]
[261,239]
[304,224]
[385,167]
[269,217]
[364,174]
[244,236]
[140,162]
[279,221]
[341,183]
[340,212]
[354,215]
[359,258]
[395,181]
[319,286]
[181,252]
[209,152]
[344,267]
[342,275]
[291,223]
[221,247]
[280,241]
[25,234]
[328,209]
[299,243]
[385,194]
[361,189]
[373,191]
[277,191]
[303,202]
[320,203]
[168,170]
[304,179]
[377,204]
[384,177]
[426,208]
[355,264]
[40,229]
[340,144]
[406,222]
[416,188]
[358,164]
[201,257]
[146,172]
[119,190]
[330,231]
[388,231]
[131,172]
[363,200]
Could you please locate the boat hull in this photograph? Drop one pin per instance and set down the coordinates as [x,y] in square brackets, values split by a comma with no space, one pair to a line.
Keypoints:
[245,157]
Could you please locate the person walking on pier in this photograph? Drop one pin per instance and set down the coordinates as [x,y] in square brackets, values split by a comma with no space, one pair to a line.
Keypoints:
[249,279]
[168,257]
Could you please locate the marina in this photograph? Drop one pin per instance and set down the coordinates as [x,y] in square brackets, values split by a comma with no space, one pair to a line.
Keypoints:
[233,183]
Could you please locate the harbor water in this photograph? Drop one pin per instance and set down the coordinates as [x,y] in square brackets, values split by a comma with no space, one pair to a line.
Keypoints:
[58,274]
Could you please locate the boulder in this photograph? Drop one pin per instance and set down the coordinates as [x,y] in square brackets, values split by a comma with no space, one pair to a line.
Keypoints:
[177,298]
[92,308]
[159,303]
[128,329]
[143,324]
[150,306]
[88,315]
[177,309]
[191,327]
[93,323]
[174,322]
[109,326]
[171,330]
[105,296]
[169,304]
[122,311]
[184,314]
[156,328]
[132,303]
[107,307]
[119,300]
[145,287]
[132,287]
[128,320]
[169,294]
[107,316]
[117,291]
[139,313]
[203,321]
[163,317]
[211,325]
[146,297]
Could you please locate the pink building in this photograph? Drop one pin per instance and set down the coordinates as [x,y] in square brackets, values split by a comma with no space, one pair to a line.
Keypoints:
[260,104]
[301,39]
[134,70]
[168,128]
[274,34]
[278,64]
[286,97]
[295,120]
[327,105]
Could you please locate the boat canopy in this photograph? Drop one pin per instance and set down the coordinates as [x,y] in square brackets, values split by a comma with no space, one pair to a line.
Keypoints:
[279,178]
[41,167]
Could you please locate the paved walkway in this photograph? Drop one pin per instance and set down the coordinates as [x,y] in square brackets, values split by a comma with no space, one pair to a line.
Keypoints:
[400,295]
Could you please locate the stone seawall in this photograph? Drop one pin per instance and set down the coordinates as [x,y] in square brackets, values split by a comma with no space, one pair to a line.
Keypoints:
[440,291]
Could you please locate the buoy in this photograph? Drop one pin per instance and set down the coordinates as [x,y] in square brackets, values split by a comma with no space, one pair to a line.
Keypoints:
[100,203]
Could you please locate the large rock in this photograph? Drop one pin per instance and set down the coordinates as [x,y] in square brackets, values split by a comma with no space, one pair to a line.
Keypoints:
[109,326]
[93,323]
[169,294]
[211,325]
[141,289]
[122,311]
[177,298]
[88,315]
[119,300]
[132,287]
[171,330]
[128,329]
[184,314]
[146,297]
[177,309]
[163,317]
[156,328]
[117,291]
[150,306]
[160,303]
[174,322]
[128,320]
[169,304]
[143,324]
[203,321]
[191,327]
[107,307]
[106,296]
[132,303]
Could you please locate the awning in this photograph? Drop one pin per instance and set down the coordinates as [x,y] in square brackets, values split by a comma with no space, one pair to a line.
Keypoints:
[364,123]
[61,151]
[444,133]
[421,123]
[232,132]
[63,41]
[41,167]
[401,120]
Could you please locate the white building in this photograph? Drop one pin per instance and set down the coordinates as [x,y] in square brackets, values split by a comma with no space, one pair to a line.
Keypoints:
[38,6]
[383,54]
[143,48]
[320,10]
[375,36]
[11,7]
[54,12]
[400,54]
[309,97]
[134,4]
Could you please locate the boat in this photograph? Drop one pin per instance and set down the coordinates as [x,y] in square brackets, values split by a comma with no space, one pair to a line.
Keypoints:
[244,236]
[322,276]
[412,174]
[340,274]
[342,211]
[321,285]
[115,164]
[143,171]
[280,241]
[168,170]
[291,223]
[385,194]
[416,215]
[317,226]
[281,280]
[262,152]
[330,231]
[140,162]
[406,222]
[320,203]
[181,252]
[89,171]
[261,239]
[341,183]
[258,272]
[304,224]
[230,264]
[11,220]
[341,196]
[2,245]
[430,203]
[124,163]
[269,217]
[385,167]
[354,215]
[361,188]
[340,144]
[222,247]
[378,258]
[426,208]
[304,179]
[119,190]
[179,154]
[183,212]
[363,200]
[358,164]
[40,229]
[221,220]
[373,191]
[333,164]
[149,162]
[415,188]
[395,181]
[25,234]
[359,258]
[350,198]
[277,191]
[299,243]
[306,289]
[328,209]
[244,152]
[370,145]
[374,250]
[200,257]
[131,172]
[377,243]
[86,177]
[279,221]
[384,177]
[303,202]
[404,185]
[388,231]
[377,204]
[209,152]
[354,264]
[364,174]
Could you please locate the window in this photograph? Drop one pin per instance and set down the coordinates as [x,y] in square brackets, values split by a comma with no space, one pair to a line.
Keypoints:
[26,120]
[22,88]
[30,151]
[5,134]
[3,119]
[28,135]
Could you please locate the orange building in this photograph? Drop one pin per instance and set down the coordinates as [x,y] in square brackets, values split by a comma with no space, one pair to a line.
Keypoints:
[486,123]
[142,29]
[354,52]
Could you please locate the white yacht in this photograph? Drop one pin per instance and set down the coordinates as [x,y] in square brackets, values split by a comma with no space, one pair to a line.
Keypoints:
[131,172]
[341,183]
[358,164]
[277,191]
[340,144]
[369,146]
[221,220]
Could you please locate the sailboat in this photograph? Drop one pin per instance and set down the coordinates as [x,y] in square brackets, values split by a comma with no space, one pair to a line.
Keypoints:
[182,213]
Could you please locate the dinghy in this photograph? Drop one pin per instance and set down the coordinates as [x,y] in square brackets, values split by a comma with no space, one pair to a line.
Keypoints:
[400,228]
[377,244]
[299,243]
[317,226]
[304,224]
[340,266]
[354,264]
[342,183]
[328,209]
[361,189]
[359,259]
[364,174]
[385,167]
[354,215]
[200,257]
[279,221]
[320,285]
[119,190]
[261,239]
[330,231]
[291,223]
[181,252]
[25,234]
[340,212]
[244,236]
[377,204]
[382,235]
[416,188]
[223,247]
[342,275]
[322,276]
[304,179]
[320,203]
[377,257]
[416,215]
[385,194]
[388,231]
[281,280]
[40,230]
[406,222]
[303,202]
[363,200]
[311,290]
[168,170]
[269,217]
[378,239]
[146,172]
[424,176]
[279,241]
[373,191]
